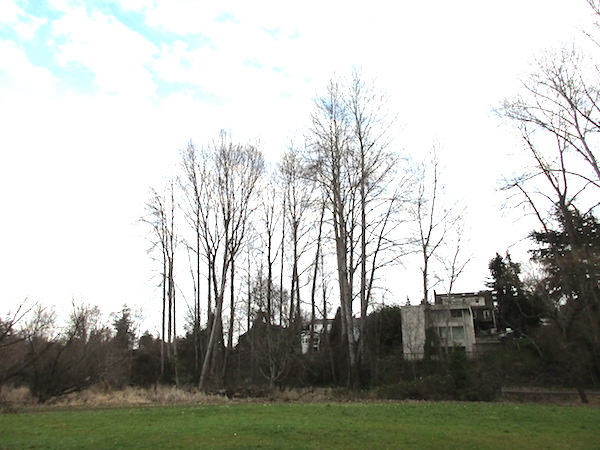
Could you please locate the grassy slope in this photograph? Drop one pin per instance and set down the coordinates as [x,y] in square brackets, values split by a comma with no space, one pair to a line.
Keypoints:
[336,425]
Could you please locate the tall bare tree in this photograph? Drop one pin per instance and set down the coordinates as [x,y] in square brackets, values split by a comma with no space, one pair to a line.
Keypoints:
[558,118]
[434,218]
[191,185]
[353,168]
[270,218]
[333,171]
[381,184]
[315,273]
[160,215]
[453,258]
[230,175]
[298,198]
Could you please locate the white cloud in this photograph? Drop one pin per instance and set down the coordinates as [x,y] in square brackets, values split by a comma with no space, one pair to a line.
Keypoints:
[25,25]
[21,75]
[10,11]
[116,55]
[66,5]
[135,5]
[183,16]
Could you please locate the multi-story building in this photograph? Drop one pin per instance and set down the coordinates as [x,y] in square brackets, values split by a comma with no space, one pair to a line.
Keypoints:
[481,306]
[455,321]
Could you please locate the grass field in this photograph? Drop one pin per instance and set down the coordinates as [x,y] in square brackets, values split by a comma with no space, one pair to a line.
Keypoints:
[310,425]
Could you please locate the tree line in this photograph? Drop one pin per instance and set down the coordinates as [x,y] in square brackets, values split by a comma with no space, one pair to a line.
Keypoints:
[339,206]
[258,256]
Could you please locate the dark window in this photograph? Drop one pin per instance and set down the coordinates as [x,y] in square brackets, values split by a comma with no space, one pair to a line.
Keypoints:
[458,333]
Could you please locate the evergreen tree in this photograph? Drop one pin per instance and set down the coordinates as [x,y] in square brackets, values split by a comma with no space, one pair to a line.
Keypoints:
[517,309]
[570,257]
[124,329]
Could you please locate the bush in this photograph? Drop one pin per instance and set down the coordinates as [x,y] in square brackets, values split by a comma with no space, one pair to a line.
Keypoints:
[435,387]
[456,378]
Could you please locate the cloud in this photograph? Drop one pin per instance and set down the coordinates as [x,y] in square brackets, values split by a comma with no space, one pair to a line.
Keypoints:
[20,75]
[10,12]
[24,24]
[116,55]
[183,17]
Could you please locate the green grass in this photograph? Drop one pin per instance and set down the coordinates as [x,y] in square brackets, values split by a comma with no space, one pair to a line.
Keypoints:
[315,425]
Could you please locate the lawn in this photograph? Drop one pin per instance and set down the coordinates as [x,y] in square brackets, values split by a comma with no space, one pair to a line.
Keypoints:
[310,425]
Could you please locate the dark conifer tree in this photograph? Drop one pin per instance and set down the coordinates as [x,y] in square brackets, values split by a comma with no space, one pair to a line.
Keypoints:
[516,308]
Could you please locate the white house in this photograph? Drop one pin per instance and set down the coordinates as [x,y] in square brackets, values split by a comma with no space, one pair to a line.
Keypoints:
[321,325]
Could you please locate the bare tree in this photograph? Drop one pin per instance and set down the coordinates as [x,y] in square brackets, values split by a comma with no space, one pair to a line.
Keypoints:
[333,171]
[558,119]
[160,215]
[270,218]
[191,185]
[453,258]
[71,361]
[380,185]
[230,175]
[434,218]
[298,201]
[271,345]
[13,355]
[313,291]
[350,164]
[557,116]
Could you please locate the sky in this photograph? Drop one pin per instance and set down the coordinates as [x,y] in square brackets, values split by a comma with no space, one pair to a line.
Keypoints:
[98,97]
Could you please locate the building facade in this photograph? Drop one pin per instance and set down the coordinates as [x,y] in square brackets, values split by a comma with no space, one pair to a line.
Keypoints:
[463,322]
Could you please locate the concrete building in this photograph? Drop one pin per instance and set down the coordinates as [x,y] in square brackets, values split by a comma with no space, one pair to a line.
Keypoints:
[413,331]
[463,321]
[481,306]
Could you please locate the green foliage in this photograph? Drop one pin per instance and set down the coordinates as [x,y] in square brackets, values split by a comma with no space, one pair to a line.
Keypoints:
[317,425]
[146,361]
[124,329]
[517,309]
[432,387]
[458,368]
[383,334]
[570,257]
[384,330]
[454,377]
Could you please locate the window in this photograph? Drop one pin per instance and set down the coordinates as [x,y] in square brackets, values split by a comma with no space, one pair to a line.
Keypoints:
[456,313]
[458,334]
[442,333]
[486,314]
[450,336]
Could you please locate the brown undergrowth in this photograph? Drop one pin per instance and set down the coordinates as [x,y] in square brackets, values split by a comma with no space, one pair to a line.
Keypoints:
[12,399]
